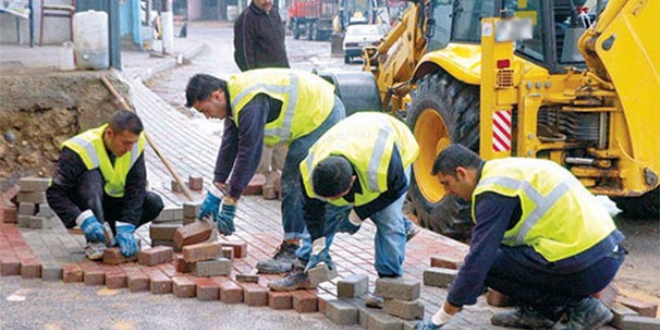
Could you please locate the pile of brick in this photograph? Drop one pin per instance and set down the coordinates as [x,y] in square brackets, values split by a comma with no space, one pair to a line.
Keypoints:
[400,307]
[162,229]
[33,210]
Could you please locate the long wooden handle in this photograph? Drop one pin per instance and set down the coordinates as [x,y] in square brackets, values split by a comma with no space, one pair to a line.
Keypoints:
[153,144]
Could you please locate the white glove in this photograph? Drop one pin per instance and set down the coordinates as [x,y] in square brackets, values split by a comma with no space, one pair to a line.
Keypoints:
[354,218]
[441,317]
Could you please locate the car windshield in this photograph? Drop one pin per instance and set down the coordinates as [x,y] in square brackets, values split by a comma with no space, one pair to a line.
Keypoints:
[364,30]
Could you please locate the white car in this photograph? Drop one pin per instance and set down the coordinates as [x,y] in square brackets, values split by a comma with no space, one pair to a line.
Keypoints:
[360,35]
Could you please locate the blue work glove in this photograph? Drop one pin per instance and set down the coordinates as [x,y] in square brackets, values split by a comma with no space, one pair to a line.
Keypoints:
[211,204]
[351,224]
[126,240]
[225,218]
[320,253]
[91,226]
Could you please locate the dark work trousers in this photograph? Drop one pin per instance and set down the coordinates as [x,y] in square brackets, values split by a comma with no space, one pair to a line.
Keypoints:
[544,289]
[90,195]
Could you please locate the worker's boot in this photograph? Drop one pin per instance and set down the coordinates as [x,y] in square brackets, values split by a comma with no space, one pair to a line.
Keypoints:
[374,301]
[94,250]
[588,313]
[296,280]
[282,261]
[523,317]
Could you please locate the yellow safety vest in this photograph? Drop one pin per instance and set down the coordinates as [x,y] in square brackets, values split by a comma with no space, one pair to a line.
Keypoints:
[560,217]
[307,100]
[89,146]
[367,140]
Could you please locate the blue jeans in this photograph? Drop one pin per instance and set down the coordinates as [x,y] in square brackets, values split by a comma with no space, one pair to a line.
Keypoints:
[390,239]
[292,214]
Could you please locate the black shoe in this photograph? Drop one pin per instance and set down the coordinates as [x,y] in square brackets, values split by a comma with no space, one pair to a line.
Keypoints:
[295,281]
[523,317]
[282,261]
[589,313]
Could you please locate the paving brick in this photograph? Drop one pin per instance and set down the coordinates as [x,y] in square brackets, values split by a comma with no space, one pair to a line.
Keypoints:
[323,299]
[280,300]
[9,263]
[255,294]
[207,289]
[30,268]
[193,233]
[31,197]
[447,262]
[397,288]
[33,184]
[45,211]
[195,182]
[240,248]
[163,231]
[175,186]
[92,273]
[181,265]
[619,312]
[183,287]
[230,292]
[379,320]
[136,279]
[407,310]
[51,271]
[8,214]
[352,286]
[23,221]
[155,243]
[320,274]
[214,267]
[304,302]
[643,308]
[202,251]
[169,214]
[341,312]
[159,283]
[189,220]
[228,252]
[439,277]
[155,256]
[27,208]
[191,209]
[116,279]
[631,322]
[72,273]
[113,256]
[247,278]
[497,299]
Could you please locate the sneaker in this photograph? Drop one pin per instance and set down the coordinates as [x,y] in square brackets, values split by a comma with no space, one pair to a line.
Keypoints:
[374,301]
[589,313]
[282,261]
[414,230]
[94,250]
[523,317]
[294,281]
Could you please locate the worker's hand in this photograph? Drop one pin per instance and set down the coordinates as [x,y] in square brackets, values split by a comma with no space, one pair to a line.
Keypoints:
[351,224]
[320,253]
[225,218]
[427,325]
[126,240]
[91,226]
[211,204]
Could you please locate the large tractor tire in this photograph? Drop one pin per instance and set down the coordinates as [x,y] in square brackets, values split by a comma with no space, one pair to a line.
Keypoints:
[646,206]
[443,111]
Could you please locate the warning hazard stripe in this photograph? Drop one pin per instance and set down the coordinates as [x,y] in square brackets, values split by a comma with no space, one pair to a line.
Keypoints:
[502,130]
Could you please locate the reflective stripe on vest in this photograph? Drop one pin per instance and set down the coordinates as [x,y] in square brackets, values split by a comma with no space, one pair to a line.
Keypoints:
[89,149]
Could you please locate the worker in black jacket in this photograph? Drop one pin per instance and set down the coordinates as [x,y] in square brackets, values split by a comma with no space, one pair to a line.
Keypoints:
[259,37]
[101,177]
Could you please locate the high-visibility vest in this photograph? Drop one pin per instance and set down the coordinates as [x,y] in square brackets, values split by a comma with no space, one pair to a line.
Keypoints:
[366,140]
[89,146]
[307,100]
[560,217]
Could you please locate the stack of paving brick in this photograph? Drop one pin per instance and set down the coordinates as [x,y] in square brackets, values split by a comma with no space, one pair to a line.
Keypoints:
[33,210]
[162,230]
[442,272]
[7,208]
[400,308]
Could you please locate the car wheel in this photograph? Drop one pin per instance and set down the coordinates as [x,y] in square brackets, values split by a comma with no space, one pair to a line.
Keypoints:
[347,59]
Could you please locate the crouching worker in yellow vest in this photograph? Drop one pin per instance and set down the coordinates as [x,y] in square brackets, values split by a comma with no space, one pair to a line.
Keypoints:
[101,177]
[540,238]
[359,169]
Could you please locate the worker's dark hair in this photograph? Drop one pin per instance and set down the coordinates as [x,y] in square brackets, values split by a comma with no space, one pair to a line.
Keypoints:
[201,86]
[123,120]
[454,156]
[332,176]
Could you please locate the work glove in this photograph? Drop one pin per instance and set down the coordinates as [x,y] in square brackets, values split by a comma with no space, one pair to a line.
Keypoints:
[320,253]
[126,240]
[211,204]
[438,320]
[351,224]
[225,219]
[91,226]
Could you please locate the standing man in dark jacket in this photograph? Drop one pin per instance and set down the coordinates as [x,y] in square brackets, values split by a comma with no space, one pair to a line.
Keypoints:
[101,177]
[259,37]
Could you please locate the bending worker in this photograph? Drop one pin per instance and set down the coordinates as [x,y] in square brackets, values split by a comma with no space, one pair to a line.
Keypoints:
[101,177]
[264,106]
[359,169]
[540,238]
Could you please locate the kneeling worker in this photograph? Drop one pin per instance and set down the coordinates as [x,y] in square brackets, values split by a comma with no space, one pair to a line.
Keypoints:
[100,177]
[540,238]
